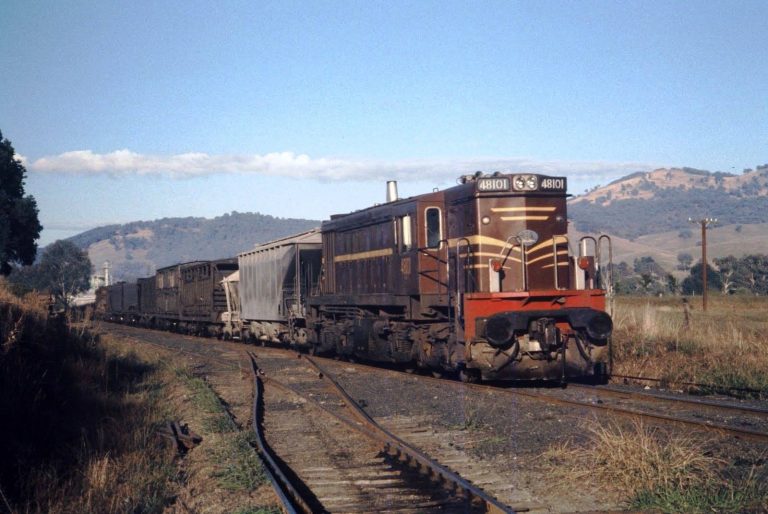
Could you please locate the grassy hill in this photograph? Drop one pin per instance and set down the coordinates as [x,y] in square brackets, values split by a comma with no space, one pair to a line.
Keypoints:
[664,247]
[137,249]
[646,214]
[663,200]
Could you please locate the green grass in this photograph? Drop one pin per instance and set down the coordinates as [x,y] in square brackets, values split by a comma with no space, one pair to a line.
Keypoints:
[82,437]
[238,465]
[705,498]
[471,422]
[206,399]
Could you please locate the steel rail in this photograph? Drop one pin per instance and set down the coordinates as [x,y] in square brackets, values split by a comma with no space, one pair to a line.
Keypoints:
[228,363]
[400,447]
[291,500]
[618,392]
[714,387]
[355,424]
[710,426]
[717,427]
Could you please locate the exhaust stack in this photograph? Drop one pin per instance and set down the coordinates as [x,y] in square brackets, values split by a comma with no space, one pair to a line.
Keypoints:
[391,190]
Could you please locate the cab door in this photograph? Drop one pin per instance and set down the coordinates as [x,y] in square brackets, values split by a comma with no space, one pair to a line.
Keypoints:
[433,250]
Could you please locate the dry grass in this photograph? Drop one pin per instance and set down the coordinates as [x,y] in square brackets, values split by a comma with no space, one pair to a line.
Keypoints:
[82,434]
[636,458]
[725,346]
[656,470]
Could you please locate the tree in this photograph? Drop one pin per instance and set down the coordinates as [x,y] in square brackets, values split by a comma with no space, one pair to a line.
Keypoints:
[646,279]
[672,283]
[19,226]
[685,259]
[647,265]
[65,270]
[692,284]
[728,268]
[753,273]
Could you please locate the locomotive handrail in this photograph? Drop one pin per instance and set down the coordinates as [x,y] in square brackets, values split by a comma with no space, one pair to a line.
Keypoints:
[523,258]
[609,289]
[583,253]
[440,244]
[459,294]
[523,263]
[563,238]
[603,271]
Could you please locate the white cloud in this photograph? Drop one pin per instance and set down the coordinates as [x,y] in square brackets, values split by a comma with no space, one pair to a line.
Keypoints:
[289,164]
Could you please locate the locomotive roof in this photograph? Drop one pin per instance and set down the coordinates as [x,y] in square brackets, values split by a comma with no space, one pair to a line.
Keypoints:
[467,187]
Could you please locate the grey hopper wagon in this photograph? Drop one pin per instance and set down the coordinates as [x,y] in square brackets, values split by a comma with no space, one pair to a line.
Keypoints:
[275,280]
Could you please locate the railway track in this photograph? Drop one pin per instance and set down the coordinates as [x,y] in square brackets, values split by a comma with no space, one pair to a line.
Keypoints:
[622,392]
[738,421]
[347,461]
[723,418]
[323,453]
[455,446]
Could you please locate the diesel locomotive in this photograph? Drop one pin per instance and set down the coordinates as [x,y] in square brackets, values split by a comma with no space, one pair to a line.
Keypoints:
[479,279]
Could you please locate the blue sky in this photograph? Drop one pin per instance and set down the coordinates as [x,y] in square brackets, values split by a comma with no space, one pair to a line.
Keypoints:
[139,110]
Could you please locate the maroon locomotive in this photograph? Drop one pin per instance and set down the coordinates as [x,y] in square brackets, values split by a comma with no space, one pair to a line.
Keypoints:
[478,278]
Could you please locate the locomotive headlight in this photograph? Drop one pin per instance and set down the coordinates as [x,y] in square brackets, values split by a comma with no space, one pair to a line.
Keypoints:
[532,182]
[485,220]
[519,182]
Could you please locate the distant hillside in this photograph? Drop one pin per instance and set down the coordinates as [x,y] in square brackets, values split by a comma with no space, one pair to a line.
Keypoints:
[137,249]
[664,247]
[662,200]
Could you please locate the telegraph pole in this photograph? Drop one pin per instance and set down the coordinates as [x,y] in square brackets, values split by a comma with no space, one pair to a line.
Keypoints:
[704,222]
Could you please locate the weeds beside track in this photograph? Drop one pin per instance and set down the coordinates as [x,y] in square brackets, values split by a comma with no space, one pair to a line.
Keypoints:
[76,415]
[723,350]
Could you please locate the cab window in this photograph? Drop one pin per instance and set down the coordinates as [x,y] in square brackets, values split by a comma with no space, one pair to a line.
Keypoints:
[407,242]
[434,228]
